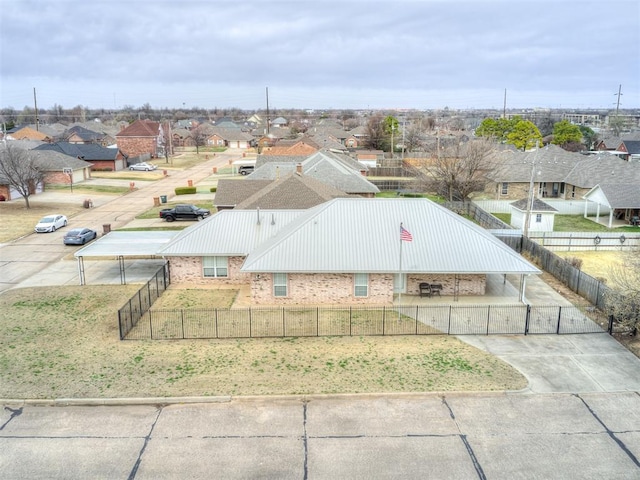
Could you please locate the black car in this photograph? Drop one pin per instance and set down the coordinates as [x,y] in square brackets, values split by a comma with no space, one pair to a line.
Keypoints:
[79,236]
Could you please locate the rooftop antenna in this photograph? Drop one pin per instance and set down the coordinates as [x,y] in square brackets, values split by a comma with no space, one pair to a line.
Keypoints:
[35,104]
[267,90]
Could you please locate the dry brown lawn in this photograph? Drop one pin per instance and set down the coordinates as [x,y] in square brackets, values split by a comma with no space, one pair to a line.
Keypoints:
[18,221]
[63,342]
[596,264]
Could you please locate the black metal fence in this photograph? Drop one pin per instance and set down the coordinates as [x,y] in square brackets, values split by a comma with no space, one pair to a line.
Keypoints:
[131,313]
[296,321]
[589,288]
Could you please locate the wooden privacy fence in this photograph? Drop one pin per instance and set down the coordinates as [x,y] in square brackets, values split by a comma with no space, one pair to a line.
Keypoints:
[365,321]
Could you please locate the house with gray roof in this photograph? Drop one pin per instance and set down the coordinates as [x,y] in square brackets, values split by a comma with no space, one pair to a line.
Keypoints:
[347,251]
[100,157]
[621,199]
[337,170]
[555,173]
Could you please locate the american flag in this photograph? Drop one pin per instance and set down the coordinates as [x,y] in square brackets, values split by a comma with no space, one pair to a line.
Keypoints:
[405,235]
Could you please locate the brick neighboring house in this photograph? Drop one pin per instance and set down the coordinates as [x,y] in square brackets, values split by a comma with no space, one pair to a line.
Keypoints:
[100,157]
[142,137]
[345,251]
[631,149]
[62,169]
[556,173]
[28,133]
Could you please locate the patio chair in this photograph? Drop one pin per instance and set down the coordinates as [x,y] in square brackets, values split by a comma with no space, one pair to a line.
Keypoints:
[436,288]
[425,290]
[635,220]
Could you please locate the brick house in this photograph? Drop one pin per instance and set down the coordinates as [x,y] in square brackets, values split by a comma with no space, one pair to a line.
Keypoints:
[142,137]
[555,173]
[345,251]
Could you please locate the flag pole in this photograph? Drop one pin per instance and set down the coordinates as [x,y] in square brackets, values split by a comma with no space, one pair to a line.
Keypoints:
[400,280]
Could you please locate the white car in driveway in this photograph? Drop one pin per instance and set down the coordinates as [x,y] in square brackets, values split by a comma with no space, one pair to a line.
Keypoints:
[51,223]
[144,166]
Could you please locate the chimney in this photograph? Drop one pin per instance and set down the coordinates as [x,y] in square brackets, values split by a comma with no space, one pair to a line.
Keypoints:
[299,169]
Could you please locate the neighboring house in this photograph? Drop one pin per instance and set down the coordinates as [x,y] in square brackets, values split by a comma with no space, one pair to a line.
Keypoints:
[541,215]
[370,158]
[345,251]
[280,122]
[142,137]
[293,191]
[339,171]
[622,200]
[60,168]
[28,133]
[631,149]
[230,138]
[292,147]
[181,137]
[555,173]
[80,134]
[100,157]
[608,143]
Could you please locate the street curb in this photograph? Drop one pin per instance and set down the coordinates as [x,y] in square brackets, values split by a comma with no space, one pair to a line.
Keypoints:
[93,402]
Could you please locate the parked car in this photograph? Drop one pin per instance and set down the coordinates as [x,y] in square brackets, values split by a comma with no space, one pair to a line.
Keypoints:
[245,169]
[184,212]
[51,223]
[79,236]
[144,166]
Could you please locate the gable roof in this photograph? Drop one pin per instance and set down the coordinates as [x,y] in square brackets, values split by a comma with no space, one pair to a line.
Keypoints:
[603,169]
[55,161]
[363,235]
[339,171]
[632,146]
[231,192]
[537,205]
[295,191]
[348,235]
[84,151]
[140,128]
[229,233]
[619,195]
[84,134]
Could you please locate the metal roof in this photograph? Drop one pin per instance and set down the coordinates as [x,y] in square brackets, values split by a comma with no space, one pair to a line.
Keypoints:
[363,235]
[229,233]
[127,244]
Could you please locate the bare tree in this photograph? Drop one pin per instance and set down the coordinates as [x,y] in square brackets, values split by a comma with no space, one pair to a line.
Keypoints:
[200,135]
[20,170]
[375,133]
[457,169]
[623,297]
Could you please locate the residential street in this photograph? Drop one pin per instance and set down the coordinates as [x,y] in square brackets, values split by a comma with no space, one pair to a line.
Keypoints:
[22,258]
[450,436]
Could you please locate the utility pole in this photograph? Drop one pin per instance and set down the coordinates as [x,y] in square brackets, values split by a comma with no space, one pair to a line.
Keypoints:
[267,90]
[619,94]
[531,195]
[504,107]
[35,102]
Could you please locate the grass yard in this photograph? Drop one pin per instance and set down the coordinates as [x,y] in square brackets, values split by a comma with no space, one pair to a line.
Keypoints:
[18,221]
[598,264]
[63,342]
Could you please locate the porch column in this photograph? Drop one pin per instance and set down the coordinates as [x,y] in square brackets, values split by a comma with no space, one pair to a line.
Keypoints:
[598,213]
[523,287]
[610,217]
[586,204]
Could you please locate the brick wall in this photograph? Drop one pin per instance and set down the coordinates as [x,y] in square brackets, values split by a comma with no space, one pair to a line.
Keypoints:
[322,289]
[188,271]
[135,146]
[318,288]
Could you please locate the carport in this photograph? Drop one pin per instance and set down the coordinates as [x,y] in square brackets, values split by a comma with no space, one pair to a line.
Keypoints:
[122,245]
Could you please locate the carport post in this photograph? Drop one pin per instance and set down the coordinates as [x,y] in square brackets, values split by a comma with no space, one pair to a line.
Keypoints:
[123,280]
[81,270]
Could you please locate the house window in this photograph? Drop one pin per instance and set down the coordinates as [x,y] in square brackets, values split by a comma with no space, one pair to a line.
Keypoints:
[505,188]
[361,284]
[279,284]
[538,218]
[215,267]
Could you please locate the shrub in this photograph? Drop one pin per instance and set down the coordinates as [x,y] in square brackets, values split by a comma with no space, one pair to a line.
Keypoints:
[574,262]
[213,189]
[185,190]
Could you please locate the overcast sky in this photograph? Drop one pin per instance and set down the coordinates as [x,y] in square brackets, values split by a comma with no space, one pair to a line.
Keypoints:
[319,54]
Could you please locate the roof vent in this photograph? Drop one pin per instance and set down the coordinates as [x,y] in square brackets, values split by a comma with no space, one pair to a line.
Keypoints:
[258,213]
[273,219]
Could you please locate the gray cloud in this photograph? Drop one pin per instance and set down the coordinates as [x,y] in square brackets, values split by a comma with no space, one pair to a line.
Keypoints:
[316,54]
